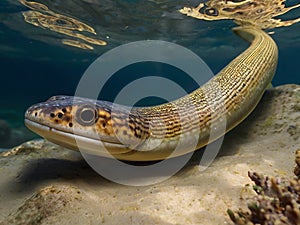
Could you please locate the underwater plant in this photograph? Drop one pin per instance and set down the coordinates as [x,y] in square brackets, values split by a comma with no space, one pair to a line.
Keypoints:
[277,200]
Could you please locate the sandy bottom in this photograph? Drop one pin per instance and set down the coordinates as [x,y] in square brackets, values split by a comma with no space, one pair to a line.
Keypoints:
[42,183]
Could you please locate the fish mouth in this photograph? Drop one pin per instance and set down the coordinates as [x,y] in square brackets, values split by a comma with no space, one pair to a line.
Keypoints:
[77,142]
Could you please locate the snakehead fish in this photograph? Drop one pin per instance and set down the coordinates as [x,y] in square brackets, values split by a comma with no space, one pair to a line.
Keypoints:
[152,133]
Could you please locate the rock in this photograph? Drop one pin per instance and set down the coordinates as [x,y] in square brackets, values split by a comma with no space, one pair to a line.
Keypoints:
[12,136]
[5,131]
[47,202]
[28,148]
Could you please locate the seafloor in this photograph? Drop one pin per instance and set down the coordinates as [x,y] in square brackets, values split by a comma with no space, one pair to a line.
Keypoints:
[42,183]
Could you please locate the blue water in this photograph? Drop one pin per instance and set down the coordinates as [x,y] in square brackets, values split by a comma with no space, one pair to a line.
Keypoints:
[35,65]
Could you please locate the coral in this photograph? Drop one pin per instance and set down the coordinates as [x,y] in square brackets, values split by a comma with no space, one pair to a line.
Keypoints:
[277,201]
[297,160]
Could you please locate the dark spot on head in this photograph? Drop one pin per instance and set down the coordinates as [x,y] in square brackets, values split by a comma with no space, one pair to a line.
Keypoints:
[124,132]
[103,116]
[64,110]
[56,121]
[70,124]
[52,115]
[60,115]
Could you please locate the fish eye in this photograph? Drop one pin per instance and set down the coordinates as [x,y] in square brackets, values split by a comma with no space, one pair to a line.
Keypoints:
[211,12]
[86,115]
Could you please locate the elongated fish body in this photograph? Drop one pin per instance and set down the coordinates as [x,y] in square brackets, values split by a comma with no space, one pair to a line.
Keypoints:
[171,129]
